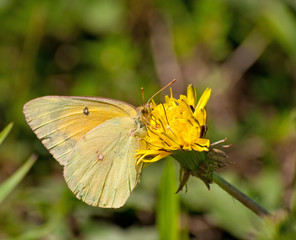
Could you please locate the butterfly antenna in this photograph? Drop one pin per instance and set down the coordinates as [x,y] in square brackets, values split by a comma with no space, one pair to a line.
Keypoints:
[142,89]
[161,90]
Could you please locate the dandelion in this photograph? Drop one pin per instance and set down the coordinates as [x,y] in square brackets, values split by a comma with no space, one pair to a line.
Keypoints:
[178,128]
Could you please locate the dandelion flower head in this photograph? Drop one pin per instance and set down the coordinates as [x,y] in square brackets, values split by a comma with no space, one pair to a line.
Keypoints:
[177,124]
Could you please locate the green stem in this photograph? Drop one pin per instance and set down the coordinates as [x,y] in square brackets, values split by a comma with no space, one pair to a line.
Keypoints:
[244,199]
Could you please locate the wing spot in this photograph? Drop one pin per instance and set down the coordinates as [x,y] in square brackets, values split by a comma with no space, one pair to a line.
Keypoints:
[85,111]
[100,157]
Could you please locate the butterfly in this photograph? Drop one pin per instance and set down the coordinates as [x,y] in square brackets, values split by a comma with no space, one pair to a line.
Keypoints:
[95,140]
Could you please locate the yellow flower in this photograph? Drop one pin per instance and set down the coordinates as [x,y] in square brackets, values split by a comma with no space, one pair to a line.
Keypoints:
[178,128]
[177,124]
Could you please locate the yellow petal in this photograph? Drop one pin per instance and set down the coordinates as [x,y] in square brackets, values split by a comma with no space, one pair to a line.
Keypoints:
[203,142]
[204,99]
[191,95]
[199,148]
[158,157]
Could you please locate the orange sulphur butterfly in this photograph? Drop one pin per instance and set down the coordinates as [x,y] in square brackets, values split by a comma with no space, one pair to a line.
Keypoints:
[95,139]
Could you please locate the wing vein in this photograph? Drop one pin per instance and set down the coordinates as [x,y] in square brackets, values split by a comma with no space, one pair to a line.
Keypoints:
[55,120]
[106,178]
[64,140]
[56,130]
[86,172]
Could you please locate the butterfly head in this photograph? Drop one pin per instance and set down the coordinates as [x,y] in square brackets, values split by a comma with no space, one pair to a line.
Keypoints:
[145,110]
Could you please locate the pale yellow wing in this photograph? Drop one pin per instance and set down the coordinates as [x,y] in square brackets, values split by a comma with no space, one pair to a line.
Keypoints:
[102,170]
[60,122]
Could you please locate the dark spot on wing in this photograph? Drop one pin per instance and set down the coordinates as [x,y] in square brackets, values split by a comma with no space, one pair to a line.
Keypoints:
[85,111]
[46,138]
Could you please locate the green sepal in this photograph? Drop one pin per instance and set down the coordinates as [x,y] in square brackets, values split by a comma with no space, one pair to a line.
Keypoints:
[196,164]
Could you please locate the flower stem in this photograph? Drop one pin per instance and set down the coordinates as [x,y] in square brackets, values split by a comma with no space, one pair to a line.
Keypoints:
[244,199]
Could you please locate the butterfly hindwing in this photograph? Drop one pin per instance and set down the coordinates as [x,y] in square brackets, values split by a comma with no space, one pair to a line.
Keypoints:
[101,169]
[60,122]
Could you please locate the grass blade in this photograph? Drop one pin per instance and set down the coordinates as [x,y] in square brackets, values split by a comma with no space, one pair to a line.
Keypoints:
[5,132]
[8,185]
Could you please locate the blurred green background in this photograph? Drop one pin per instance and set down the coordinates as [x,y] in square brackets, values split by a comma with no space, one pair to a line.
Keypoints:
[244,50]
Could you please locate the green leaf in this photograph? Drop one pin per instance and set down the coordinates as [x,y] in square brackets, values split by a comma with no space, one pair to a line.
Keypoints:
[5,132]
[168,210]
[8,185]
[282,24]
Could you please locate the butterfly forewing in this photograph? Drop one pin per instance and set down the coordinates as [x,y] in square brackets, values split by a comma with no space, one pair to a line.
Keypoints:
[60,122]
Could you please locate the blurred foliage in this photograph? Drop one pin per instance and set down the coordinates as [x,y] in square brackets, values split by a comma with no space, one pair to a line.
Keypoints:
[9,184]
[168,212]
[244,50]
